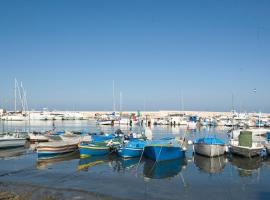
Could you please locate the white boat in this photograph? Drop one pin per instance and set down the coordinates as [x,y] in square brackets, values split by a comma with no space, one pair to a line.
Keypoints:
[57,147]
[14,117]
[209,146]
[68,136]
[255,150]
[11,141]
[37,137]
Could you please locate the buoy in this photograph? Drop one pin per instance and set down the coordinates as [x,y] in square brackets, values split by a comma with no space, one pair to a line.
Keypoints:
[190,142]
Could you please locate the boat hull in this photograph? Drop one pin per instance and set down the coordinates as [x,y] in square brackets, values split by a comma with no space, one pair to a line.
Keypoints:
[92,150]
[162,153]
[130,152]
[245,151]
[209,150]
[11,143]
[50,149]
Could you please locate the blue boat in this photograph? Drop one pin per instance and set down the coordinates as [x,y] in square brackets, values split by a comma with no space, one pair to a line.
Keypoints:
[134,148]
[101,138]
[88,149]
[163,149]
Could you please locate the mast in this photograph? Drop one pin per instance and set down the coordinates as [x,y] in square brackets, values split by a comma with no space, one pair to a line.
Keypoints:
[15,95]
[113,98]
[182,101]
[120,107]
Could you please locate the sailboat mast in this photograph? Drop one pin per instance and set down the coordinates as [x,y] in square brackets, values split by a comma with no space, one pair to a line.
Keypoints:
[113,98]
[120,102]
[15,95]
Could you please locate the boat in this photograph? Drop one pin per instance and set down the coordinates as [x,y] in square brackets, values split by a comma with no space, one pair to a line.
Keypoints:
[245,146]
[88,149]
[37,137]
[165,149]
[255,149]
[56,147]
[13,140]
[211,164]
[103,137]
[209,146]
[133,148]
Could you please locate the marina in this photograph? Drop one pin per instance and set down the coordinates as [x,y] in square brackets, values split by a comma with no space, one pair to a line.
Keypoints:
[142,178]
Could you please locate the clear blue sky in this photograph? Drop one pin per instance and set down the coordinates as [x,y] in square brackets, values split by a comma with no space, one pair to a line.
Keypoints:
[67,53]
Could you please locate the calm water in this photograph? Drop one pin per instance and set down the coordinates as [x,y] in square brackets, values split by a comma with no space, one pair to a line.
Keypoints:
[70,177]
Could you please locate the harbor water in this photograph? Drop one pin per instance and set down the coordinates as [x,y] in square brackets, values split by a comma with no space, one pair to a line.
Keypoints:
[24,176]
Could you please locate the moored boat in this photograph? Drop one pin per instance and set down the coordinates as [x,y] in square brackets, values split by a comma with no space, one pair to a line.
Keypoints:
[88,149]
[37,137]
[164,149]
[133,148]
[57,147]
[255,149]
[209,146]
[11,141]
[244,146]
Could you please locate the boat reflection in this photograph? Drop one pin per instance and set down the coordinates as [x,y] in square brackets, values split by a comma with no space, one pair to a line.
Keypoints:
[162,170]
[121,164]
[246,165]
[12,152]
[85,163]
[45,161]
[210,165]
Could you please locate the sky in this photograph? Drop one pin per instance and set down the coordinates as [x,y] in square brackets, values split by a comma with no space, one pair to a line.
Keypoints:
[162,55]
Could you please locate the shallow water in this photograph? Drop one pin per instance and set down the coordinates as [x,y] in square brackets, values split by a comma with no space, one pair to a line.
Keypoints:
[108,177]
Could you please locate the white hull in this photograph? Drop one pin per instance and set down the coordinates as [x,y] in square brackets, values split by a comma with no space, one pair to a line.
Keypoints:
[249,152]
[210,150]
[11,143]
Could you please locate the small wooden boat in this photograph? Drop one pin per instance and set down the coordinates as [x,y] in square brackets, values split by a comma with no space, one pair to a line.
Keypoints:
[57,147]
[11,141]
[133,148]
[88,149]
[209,146]
[164,149]
[247,151]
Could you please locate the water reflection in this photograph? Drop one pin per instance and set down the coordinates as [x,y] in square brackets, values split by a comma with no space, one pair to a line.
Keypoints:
[244,165]
[161,170]
[210,165]
[86,163]
[45,161]
[12,152]
[123,165]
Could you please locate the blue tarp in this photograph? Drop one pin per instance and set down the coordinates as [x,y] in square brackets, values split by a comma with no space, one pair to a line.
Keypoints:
[209,140]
